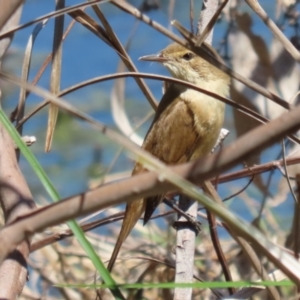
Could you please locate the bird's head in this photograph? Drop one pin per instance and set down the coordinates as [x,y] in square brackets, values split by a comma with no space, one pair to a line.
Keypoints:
[184,64]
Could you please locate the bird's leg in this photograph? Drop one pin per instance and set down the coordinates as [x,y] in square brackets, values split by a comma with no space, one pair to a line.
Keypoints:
[194,223]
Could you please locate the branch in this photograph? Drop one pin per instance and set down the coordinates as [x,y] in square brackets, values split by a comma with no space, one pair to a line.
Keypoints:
[186,234]
[209,8]
[16,200]
[15,196]
[8,12]
[254,4]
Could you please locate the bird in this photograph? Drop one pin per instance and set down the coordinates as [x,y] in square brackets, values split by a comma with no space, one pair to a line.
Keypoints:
[186,125]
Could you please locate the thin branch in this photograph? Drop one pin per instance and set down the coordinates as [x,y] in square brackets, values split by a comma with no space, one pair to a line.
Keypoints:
[15,196]
[135,12]
[8,9]
[296,223]
[8,21]
[254,4]
[79,114]
[247,248]
[192,16]
[222,179]
[269,166]
[185,248]
[228,101]
[16,200]
[210,190]
[240,191]
[53,14]
[286,171]
[112,40]
[243,109]
[185,233]
[208,17]
[55,237]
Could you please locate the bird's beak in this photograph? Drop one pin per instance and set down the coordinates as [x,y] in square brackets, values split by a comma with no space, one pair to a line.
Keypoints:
[155,58]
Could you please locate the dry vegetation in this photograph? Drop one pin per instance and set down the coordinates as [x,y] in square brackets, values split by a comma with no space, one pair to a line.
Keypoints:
[265,248]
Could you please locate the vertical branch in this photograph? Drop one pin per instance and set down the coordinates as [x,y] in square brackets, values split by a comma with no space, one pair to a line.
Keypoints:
[185,248]
[296,223]
[296,220]
[292,241]
[16,199]
[185,241]
[217,246]
[192,15]
[9,11]
[247,248]
[15,196]
[209,8]
[55,73]
[8,21]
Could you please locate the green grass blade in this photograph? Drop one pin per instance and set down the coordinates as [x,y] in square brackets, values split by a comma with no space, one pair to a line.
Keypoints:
[78,233]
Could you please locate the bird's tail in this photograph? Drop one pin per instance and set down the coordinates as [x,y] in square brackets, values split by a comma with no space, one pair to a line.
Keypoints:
[133,212]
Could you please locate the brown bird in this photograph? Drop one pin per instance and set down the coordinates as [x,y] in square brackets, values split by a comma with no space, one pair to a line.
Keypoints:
[186,125]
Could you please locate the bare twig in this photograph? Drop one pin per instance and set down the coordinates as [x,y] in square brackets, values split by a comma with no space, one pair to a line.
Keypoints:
[208,17]
[8,9]
[256,263]
[286,171]
[55,237]
[254,4]
[242,108]
[296,222]
[10,14]
[240,191]
[192,16]
[217,246]
[186,234]
[16,199]
[185,248]
[54,14]
[38,76]
[248,250]
[258,169]
[110,37]
[225,178]
[222,179]
[208,188]
[15,196]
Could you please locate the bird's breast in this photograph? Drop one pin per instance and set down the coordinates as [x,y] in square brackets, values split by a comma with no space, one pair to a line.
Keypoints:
[208,118]
[187,128]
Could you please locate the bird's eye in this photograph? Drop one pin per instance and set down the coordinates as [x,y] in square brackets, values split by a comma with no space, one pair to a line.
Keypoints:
[188,56]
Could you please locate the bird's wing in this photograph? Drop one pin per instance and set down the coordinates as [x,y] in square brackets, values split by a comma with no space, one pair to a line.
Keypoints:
[182,139]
